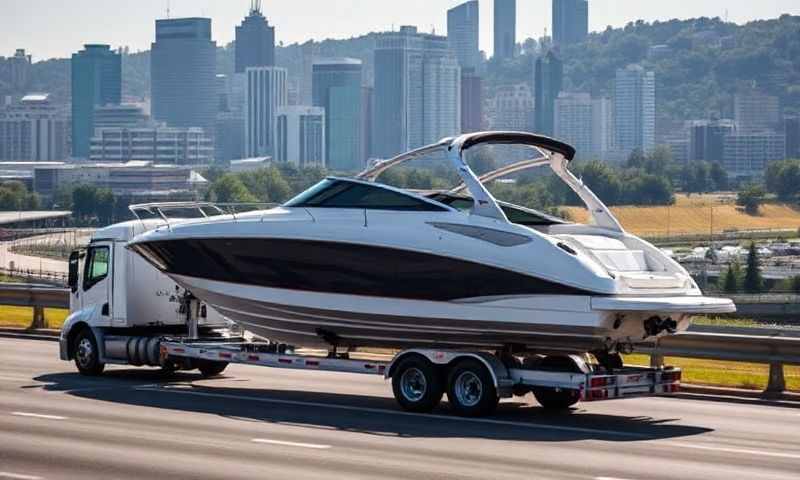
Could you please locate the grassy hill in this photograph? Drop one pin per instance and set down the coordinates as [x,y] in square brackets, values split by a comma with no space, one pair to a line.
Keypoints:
[693,215]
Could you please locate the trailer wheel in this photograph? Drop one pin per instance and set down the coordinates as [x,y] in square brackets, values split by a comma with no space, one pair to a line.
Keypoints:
[210,368]
[553,399]
[556,398]
[87,355]
[417,385]
[471,390]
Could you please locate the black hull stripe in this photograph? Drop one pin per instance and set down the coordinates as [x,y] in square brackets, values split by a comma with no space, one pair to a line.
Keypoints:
[343,268]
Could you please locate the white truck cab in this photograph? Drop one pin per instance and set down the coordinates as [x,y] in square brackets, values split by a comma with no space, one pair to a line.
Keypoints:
[120,304]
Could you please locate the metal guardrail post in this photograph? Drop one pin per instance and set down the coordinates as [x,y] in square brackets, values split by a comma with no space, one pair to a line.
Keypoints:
[777,382]
[39,321]
[656,361]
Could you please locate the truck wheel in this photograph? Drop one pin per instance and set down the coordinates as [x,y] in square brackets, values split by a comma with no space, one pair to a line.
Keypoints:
[552,399]
[87,357]
[471,390]
[417,385]
[209,368]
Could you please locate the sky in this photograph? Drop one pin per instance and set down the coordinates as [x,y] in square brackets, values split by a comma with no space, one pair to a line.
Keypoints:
[57,28]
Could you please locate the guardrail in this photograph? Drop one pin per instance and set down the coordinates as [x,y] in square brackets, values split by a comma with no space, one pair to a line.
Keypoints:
[776,347]
[38,297]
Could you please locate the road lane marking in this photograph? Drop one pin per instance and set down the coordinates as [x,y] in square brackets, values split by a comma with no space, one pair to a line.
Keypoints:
[610,478]
[742,451]
[38,415]
[19,476]
[291,444]
[381,411]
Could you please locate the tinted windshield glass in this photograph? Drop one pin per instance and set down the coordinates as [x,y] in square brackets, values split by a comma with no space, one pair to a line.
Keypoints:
[343,194]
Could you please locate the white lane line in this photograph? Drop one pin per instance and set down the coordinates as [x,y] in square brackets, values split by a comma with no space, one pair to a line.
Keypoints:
[610,478]
[291,444]
[38,415]
[741,451]
[19,476]
[381,411]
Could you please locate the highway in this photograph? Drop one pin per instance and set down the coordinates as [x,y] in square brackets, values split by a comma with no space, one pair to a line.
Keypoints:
[261,423]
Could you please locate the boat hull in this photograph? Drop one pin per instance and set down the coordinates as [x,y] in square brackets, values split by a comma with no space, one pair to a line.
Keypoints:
[543,322]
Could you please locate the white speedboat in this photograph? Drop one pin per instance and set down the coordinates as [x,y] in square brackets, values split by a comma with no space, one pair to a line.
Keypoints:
[354,263]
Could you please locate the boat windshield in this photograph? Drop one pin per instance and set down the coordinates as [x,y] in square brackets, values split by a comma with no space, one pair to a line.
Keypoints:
[340,193]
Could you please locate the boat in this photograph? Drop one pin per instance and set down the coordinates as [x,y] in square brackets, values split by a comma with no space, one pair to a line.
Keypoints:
[353,263]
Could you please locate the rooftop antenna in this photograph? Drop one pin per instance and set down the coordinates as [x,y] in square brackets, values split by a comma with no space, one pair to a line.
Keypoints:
[255,7]
[168,9]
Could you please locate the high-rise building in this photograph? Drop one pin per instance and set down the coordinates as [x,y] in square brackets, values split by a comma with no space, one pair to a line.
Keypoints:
[471,101]
[512,108]
[157,143]
[255,40]
[308,51]
[791,128]
[33,130]
[707,139]
[505,28]
[183,67]
[267,91]
[584,123]
[19,71]
[755,111]
[300,136]
[337,89]
[635,109]
[230,125]
[548,82]
[748,154]
[463,34]
[570,21]
[367,120]
[96,80]
[417,91]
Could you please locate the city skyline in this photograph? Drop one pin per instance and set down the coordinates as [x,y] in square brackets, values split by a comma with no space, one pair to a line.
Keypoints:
[310,19]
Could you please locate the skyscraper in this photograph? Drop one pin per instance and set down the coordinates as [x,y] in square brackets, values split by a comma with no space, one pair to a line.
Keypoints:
[707,139]
[584,122]
[755,111]
[267,91]
[300,136]
[548,82]
[505,28]
[255,40]
[635,109]
[336,87]
[183,64]
[570,21]
[19,70]
[471,101]
[417,91]
[96,80]
[463,33]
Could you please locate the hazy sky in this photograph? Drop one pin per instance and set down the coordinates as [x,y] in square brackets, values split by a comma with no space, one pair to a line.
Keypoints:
[56,28]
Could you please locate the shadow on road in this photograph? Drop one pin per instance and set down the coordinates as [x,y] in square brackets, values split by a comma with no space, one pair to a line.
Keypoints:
[356,413]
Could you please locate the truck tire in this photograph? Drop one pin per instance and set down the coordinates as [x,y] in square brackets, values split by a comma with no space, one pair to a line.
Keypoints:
[87,355]
[471,390]
[417,385]
[210,368]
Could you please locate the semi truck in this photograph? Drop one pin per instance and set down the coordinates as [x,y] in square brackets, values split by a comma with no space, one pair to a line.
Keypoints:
[124,311]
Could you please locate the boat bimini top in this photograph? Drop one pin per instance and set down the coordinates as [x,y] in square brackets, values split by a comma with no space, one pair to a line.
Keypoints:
[547,151]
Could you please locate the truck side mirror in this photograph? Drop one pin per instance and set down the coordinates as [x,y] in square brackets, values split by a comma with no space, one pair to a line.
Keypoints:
[72,278]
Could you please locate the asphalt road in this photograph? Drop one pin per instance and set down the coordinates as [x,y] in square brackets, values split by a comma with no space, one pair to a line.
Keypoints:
[262,423]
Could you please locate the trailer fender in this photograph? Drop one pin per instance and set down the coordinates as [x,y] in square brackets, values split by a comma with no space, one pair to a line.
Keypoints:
[500,374]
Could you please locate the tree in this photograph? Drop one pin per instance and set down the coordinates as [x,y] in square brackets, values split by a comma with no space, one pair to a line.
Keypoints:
[230,189]
[719,176]
[751,199]
[84,198]
[753,282]
[730,282]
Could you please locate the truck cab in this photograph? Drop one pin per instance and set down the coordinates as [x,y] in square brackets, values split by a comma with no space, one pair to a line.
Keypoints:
[120,304]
